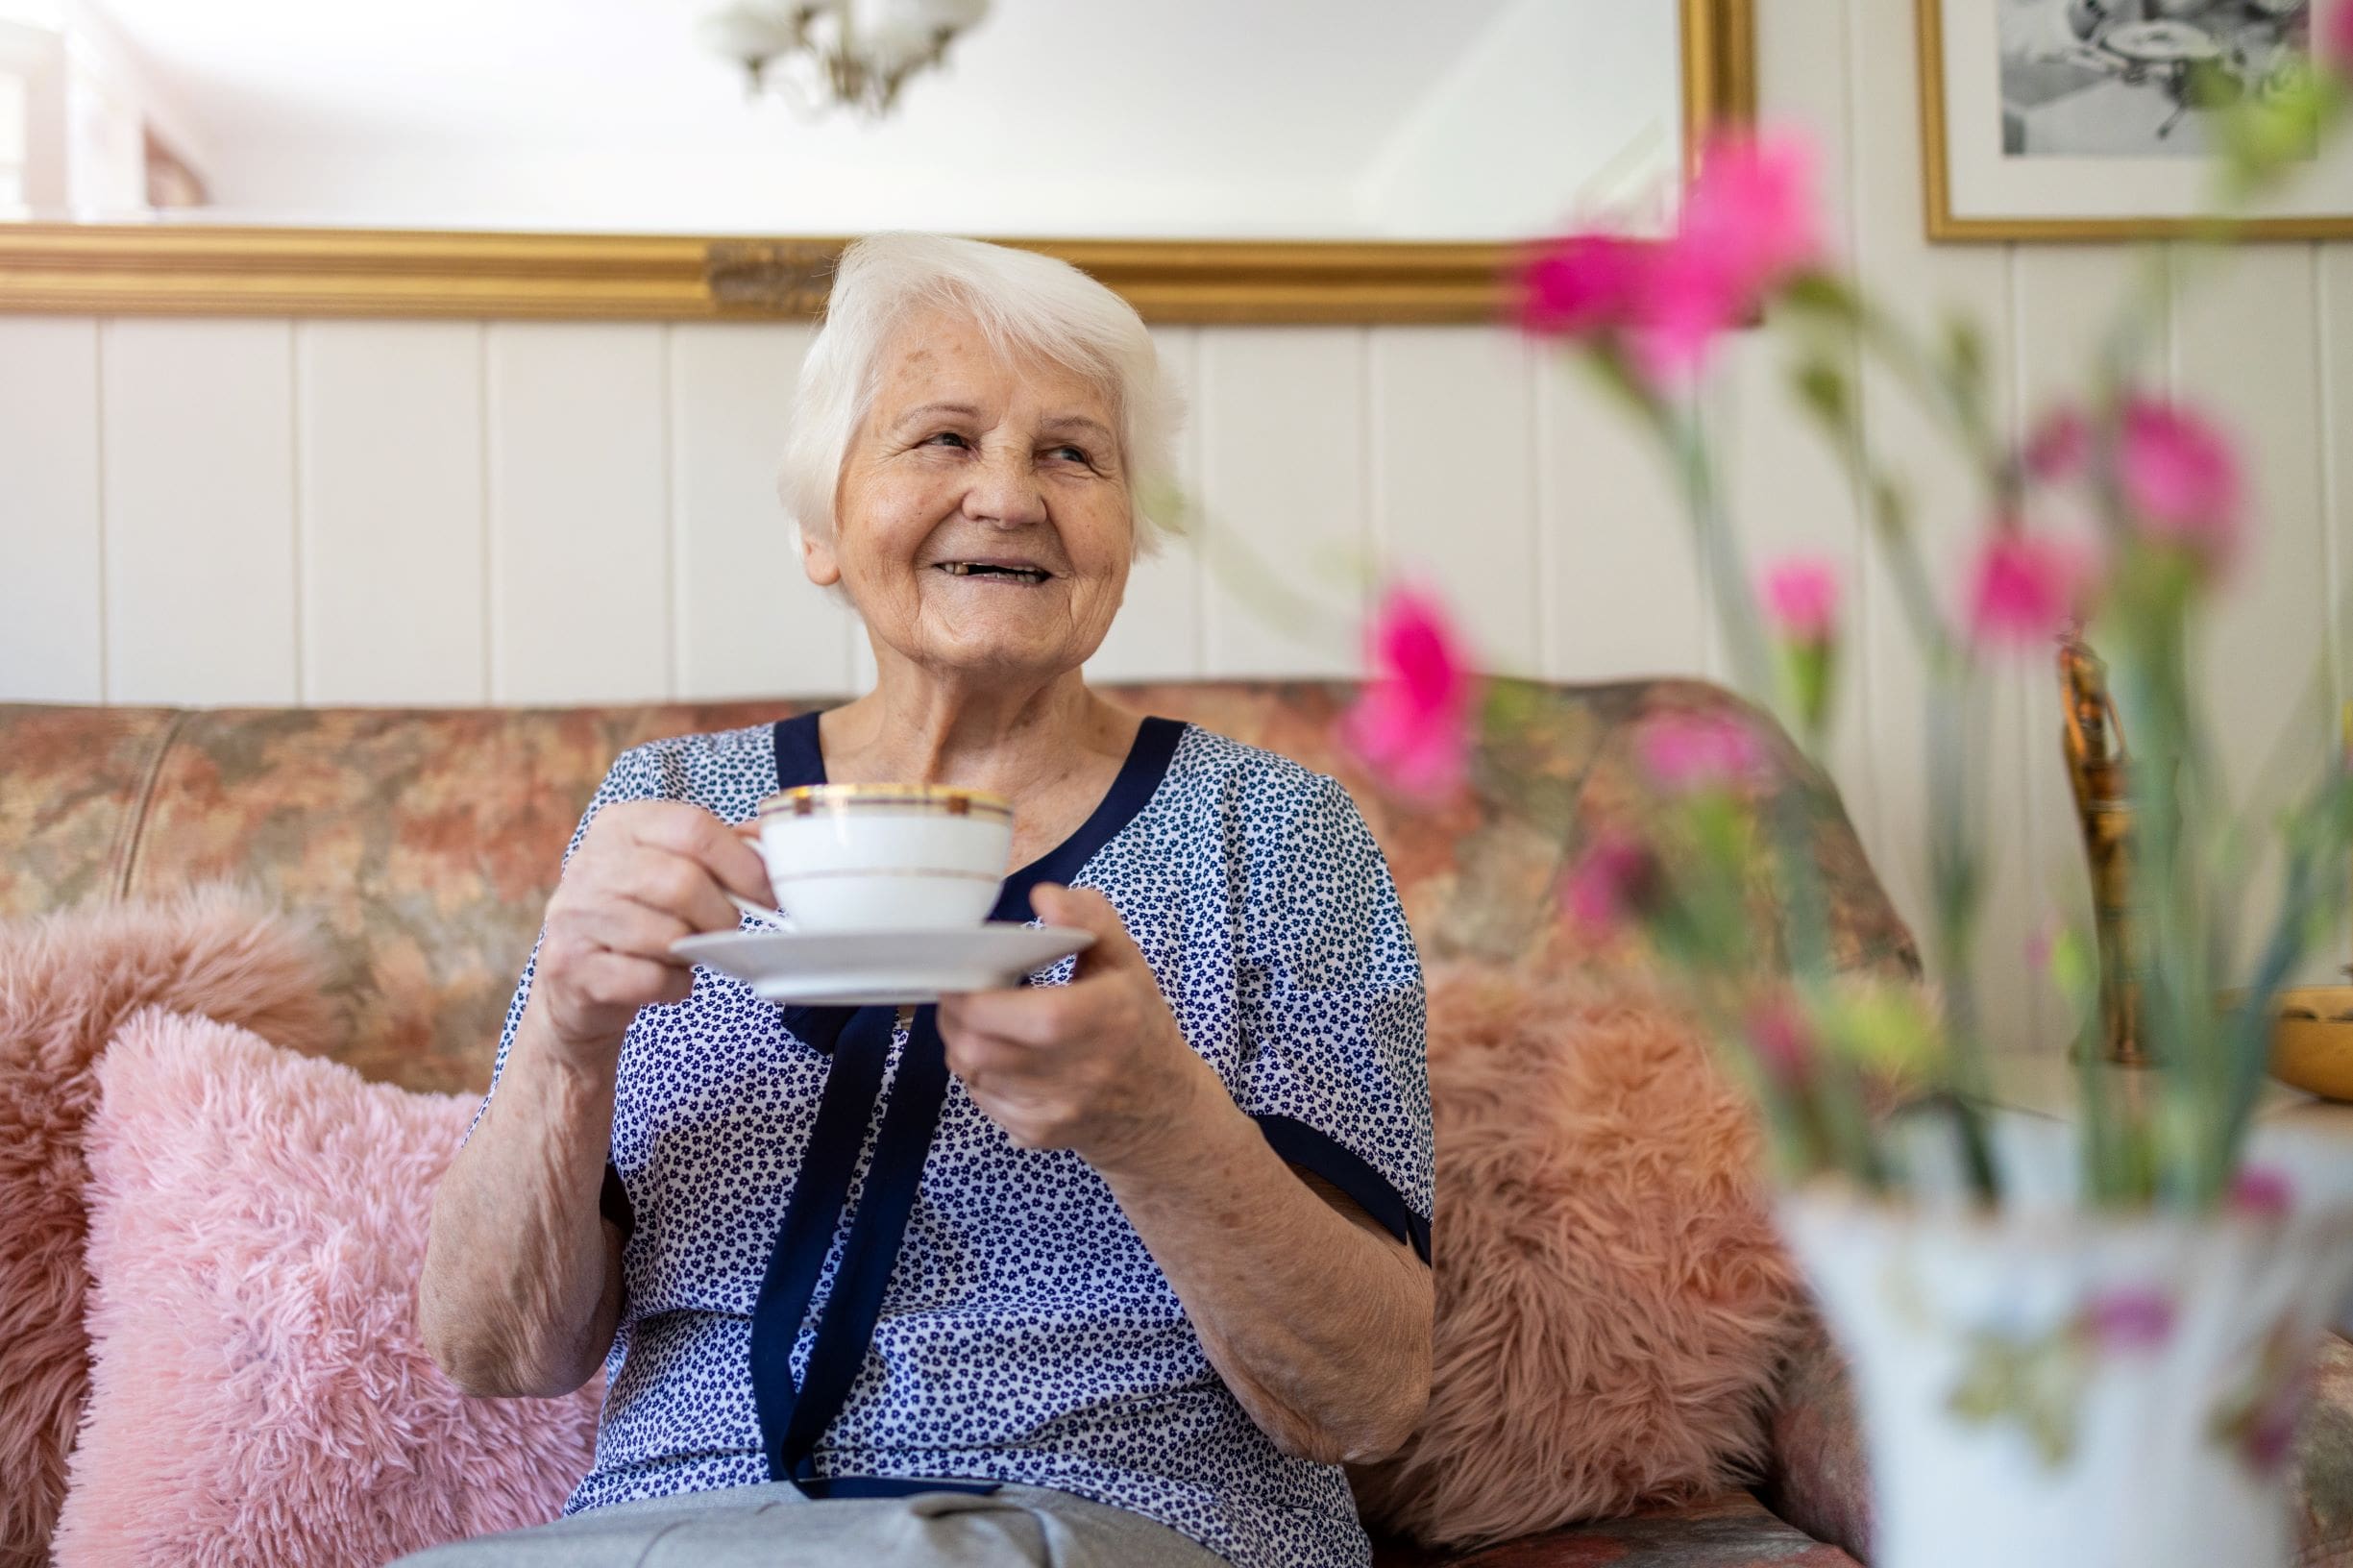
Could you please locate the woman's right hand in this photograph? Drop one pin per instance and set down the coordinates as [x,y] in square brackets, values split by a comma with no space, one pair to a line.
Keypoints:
[646,874]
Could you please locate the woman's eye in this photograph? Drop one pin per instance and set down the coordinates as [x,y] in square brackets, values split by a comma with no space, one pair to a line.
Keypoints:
[947,438]
[1069,453]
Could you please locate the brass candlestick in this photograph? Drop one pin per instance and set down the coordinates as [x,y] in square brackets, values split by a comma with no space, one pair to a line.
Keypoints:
[2095,768]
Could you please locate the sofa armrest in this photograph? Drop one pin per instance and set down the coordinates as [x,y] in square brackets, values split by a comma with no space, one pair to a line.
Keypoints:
[1817,1477]
[2324,1462]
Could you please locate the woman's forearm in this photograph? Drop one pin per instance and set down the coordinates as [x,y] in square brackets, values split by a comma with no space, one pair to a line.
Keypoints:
[1320,1323]
[520,1289]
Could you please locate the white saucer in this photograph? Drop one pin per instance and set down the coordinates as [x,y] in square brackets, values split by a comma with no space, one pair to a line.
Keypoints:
[881,968]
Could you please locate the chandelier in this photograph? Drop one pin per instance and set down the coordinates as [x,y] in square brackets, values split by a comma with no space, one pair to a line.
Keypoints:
[819,55]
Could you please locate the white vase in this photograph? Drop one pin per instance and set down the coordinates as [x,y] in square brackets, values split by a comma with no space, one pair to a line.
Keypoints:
[2050,1388]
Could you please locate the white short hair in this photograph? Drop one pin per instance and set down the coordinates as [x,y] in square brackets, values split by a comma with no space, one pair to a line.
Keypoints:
[1025,303]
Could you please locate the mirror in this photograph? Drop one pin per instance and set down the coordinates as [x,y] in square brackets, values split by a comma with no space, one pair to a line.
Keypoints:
[1220,159]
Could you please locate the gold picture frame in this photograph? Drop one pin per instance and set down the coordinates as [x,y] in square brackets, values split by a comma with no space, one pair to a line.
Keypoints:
[124,269]
[1945,226]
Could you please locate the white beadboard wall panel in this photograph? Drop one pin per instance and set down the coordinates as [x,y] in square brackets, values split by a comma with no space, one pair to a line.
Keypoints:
[52,641]
[746,620]
[2246,348]
[2333,287]
[1620,571]
[1157,633]
[388,456]
[1948,502]
[2333,298]
[580,493]
[197,439]
[1283,498]
[1452,472]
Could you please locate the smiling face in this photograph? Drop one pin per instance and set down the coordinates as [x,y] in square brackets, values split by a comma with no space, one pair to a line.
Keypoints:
[982,522]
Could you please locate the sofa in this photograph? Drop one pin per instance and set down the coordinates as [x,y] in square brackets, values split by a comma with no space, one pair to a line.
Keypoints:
[425,843]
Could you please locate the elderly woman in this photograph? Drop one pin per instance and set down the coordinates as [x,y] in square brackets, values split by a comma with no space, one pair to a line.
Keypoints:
[1115,1266]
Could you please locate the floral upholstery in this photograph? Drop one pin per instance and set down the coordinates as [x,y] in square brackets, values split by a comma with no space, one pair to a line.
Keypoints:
[426,841]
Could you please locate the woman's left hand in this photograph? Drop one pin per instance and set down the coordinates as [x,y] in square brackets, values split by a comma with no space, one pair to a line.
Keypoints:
[1098,1065]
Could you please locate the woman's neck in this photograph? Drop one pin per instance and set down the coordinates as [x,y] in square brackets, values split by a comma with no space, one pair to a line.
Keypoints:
[1010,738]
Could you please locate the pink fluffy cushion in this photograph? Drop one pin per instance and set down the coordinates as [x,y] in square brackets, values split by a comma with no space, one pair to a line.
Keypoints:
[67,981]
[1612,1303]
[259,1394]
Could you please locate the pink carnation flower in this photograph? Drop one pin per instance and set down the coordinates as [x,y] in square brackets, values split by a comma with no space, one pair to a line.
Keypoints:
[2337,36]
[1683,753]
[1782,1039]
[1612,882]
[1411,724]
[2182,479]
[1582,285]
[1801,596]
[2023,589]
[2057,446]
[1749,226]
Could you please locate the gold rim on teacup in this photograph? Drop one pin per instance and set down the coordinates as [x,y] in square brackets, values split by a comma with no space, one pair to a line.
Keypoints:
[809,800]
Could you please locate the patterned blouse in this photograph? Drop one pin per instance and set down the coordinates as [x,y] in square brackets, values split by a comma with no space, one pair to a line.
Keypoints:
[839,1272]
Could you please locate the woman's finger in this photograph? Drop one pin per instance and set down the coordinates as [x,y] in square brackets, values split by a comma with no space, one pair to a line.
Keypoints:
[1030,1015]
[620,980]
[724,855]
[1087,909]
[675,884]
[624,926]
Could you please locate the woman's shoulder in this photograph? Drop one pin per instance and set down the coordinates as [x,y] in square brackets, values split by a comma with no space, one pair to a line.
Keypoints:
[1260,791]
[724,770]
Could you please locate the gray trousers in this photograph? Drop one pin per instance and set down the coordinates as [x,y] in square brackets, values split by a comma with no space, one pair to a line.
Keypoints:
[773,1526]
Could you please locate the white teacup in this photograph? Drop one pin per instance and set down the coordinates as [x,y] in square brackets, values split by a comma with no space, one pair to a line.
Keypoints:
[885,857]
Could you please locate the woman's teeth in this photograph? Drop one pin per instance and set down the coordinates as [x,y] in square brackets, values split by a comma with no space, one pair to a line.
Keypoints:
[1018,573]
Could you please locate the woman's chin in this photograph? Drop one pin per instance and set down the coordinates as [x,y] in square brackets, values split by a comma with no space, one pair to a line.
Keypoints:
[1008,658]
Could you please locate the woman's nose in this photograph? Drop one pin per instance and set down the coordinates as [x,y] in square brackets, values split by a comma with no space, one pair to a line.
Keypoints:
[1005,491]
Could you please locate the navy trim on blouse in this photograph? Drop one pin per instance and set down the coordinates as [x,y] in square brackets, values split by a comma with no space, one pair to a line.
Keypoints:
[613,1202]
[1310,1149]
[793,1417]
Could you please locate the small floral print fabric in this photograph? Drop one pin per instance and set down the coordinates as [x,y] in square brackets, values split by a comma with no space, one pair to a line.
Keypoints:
[1025,1334]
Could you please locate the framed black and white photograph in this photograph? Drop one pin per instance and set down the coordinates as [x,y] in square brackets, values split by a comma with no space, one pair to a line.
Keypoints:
[2098,119]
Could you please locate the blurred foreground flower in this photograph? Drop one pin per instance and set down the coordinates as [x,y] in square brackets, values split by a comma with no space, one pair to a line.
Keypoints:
[2181,478]
[2058,445]
[1613,883]
[1583,284]
[1685,752]
[1802,600]
[1412,725]
[2023,589]
[1748,226]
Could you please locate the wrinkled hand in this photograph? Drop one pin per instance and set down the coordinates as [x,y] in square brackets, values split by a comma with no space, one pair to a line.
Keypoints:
[1098,1065]
[646,874]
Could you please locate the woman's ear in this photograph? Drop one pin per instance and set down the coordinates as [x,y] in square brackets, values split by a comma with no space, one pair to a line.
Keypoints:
[817,559]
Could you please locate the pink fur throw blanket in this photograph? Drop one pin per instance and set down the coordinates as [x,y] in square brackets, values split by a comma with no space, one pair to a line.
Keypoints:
[259,1394]
[1612,1303]
[67,981]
